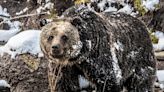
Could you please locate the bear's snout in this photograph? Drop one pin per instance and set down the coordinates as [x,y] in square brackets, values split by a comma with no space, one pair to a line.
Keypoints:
[57,51]
[56,48]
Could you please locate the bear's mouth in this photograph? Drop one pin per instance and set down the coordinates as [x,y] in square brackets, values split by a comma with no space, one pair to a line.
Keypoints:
[57,56]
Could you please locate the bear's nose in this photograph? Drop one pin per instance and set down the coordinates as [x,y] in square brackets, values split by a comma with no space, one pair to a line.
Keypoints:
[56,47]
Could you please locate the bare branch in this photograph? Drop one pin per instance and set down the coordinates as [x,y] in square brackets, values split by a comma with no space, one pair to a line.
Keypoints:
[23,16]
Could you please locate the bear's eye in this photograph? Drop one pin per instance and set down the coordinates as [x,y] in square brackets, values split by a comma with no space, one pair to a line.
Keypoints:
[50,38]
[64,38]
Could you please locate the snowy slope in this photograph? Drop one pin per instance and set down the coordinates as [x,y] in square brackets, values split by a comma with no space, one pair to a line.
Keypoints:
[24,42]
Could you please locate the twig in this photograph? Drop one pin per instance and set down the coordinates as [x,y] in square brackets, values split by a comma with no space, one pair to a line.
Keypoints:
[60,67]
[22,16]
[104,85]
[51,74]
[52,77]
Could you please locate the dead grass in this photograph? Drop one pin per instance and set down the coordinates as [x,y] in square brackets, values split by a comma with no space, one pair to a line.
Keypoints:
[54,73]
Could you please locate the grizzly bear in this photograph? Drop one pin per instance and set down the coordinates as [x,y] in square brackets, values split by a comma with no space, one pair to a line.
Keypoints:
[112,51]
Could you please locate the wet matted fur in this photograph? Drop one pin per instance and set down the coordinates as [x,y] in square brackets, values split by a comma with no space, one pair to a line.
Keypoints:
[111,50]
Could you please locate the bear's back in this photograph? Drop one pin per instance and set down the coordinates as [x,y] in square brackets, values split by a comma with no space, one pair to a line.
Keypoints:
[116,47]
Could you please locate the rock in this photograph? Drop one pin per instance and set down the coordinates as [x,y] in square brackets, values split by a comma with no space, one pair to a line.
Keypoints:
[160,58]
[2,43]
[5,26]
[25,73]
[160,55]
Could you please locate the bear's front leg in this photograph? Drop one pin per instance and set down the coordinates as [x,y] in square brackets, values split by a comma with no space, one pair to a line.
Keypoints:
[102,78]
[68,81]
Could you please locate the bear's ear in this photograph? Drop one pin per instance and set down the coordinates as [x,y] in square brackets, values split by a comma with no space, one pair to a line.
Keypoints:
[43,22]
[76,21]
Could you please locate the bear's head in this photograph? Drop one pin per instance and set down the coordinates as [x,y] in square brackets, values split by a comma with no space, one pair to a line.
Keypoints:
[60,41]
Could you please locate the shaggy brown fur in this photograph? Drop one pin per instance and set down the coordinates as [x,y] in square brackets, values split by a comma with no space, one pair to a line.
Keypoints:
[63,34]
[112,51]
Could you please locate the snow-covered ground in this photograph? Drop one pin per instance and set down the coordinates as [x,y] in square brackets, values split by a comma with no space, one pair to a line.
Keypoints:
[150,4]
[16,44]
[110,8]
[106,6]
[3,83]
[160,45]
[24,42]
[3,12]
[5,35]
[160,76]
